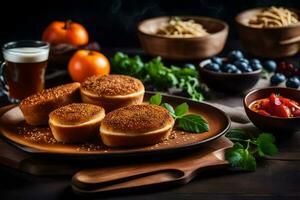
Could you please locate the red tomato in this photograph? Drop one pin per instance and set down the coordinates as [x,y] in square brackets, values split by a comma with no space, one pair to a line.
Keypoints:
[296,113]
[277,106]
[266,105]
[289,103]
[282,111]
[263,112]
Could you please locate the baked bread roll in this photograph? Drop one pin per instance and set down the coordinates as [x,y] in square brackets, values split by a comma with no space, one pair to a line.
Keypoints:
[112,91]
[36,108]
[136,125]
[76,123]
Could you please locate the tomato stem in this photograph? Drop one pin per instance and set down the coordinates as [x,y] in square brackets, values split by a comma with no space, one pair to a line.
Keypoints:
[67,24]
[90,53]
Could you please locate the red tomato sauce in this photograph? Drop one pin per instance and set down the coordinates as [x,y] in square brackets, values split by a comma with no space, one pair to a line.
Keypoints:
[276,106]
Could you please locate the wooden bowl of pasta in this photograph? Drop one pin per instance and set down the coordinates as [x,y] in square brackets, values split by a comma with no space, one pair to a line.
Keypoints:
[183,38]
[269,32]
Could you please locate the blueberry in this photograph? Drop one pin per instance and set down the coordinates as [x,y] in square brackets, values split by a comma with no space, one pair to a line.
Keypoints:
[256,66]
[248,69]
[229,68]
[244,60]
[277,78]
[238,71]
[270,65]
[241,65]
[217,60]
[189,65]
[293,82]
[212,67]
[254,61]
[235,55]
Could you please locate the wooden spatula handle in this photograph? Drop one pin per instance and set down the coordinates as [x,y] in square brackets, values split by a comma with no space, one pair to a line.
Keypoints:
[155,178]
[102,176]
[144,175]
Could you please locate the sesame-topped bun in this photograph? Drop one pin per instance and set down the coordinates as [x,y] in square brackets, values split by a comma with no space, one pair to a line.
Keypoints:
[77,122]
[136,125]
[36,108]
[112,91]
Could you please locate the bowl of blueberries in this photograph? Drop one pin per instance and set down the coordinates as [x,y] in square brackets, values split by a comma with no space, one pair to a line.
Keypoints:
[234,73]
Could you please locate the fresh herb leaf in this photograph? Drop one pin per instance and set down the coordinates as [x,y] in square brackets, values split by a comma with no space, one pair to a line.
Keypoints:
[265,145]
[123,64]
[155,99]
[237,156]
[193,123]
[233,155]
[187,122]
[266,137]
[181,109]
[156,74]
[170,109]
[245,147]
[248,162]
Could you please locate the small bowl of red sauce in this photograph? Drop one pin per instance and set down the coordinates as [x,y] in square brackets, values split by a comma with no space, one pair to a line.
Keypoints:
[274,109]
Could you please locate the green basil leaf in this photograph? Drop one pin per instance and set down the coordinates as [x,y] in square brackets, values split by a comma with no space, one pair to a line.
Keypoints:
[155,99]
[234,156]
[266,137]
[236,133]
[181,109]
[241,158]
[172,79]
[248,162]
[267,149]
[193,123]
[170,109]
[265,144]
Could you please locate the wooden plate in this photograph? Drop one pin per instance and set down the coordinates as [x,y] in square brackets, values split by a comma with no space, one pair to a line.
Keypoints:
[39,140]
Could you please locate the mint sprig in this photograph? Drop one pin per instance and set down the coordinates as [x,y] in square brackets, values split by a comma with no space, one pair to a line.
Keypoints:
[246,148]
[155,99]
[187,122]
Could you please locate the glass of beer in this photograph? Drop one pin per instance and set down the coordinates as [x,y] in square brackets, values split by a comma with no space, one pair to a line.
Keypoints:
[23,71]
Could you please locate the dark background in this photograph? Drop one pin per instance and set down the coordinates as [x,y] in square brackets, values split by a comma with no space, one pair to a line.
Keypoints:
[113,22]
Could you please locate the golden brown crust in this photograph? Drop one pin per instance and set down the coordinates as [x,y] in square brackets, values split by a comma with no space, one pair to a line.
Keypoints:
[36,108]
[112,91]
[50,94]
[75,113]
[112,85]
[76,123]
[137,119]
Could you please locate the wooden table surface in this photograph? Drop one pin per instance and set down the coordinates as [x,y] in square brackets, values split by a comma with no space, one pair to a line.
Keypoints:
[275,178]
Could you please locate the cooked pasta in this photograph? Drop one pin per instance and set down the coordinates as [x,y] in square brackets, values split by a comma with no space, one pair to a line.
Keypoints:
[274,17]
[178,28]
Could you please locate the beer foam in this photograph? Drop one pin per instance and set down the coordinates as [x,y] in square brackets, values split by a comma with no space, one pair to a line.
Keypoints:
[26,55]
